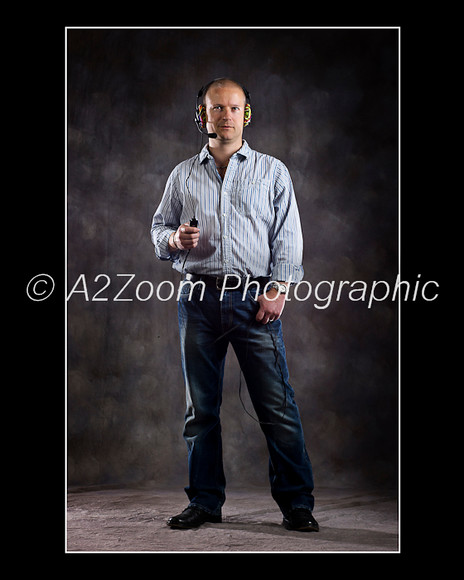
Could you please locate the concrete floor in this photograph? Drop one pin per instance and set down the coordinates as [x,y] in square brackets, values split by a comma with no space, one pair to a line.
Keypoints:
[134,520]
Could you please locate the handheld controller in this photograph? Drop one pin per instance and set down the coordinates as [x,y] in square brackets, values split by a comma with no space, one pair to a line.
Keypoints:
[193,224]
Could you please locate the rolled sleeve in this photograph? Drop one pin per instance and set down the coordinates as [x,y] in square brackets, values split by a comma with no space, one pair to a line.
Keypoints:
[287,236]
[165,221]
[288,273]
[160,240]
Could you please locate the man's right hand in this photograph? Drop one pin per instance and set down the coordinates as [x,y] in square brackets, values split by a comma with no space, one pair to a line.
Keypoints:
[185,238]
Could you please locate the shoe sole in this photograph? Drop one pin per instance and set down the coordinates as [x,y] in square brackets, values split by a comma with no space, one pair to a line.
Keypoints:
[308,528]
[180,526]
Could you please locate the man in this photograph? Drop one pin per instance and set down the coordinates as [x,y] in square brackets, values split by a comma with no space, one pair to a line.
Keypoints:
[239,259]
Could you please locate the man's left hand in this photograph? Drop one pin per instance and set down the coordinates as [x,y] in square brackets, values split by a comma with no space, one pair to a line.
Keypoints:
[271,306]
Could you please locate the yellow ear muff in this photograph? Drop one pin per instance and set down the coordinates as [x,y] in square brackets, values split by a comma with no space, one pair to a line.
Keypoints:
[201,115]
[247,115]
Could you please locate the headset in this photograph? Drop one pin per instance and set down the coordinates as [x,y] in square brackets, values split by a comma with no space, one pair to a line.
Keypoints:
[200,109]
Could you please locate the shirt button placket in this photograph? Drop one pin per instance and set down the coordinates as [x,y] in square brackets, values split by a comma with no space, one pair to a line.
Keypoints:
[226,213]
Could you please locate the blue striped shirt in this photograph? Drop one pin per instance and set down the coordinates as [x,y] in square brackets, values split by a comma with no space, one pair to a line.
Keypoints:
[249,222]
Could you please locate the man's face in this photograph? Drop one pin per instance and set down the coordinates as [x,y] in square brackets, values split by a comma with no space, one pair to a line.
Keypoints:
[225,107]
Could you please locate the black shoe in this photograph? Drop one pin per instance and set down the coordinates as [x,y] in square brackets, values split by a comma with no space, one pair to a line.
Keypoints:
[192,517]
[301,520]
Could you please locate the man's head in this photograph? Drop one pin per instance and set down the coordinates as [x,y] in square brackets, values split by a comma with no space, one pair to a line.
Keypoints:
[225,109]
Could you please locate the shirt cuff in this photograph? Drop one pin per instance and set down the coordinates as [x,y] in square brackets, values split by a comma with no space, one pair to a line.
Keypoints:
[287,273]
[162,248]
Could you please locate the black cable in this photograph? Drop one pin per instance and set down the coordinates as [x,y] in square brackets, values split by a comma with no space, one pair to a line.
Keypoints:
[276,355]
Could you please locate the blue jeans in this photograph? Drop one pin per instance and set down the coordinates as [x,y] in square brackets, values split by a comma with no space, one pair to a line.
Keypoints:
[207,325]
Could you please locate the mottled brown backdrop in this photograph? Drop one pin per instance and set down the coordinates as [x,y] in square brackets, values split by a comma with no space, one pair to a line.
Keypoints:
[325,102]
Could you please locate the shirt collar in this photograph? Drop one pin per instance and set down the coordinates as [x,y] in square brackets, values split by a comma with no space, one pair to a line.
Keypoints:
[244,152]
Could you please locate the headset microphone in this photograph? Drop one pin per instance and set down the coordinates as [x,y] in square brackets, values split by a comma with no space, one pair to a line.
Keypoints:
[205,132]
[201,122]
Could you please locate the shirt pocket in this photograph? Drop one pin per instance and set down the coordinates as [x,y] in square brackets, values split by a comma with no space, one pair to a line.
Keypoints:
[254,199]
